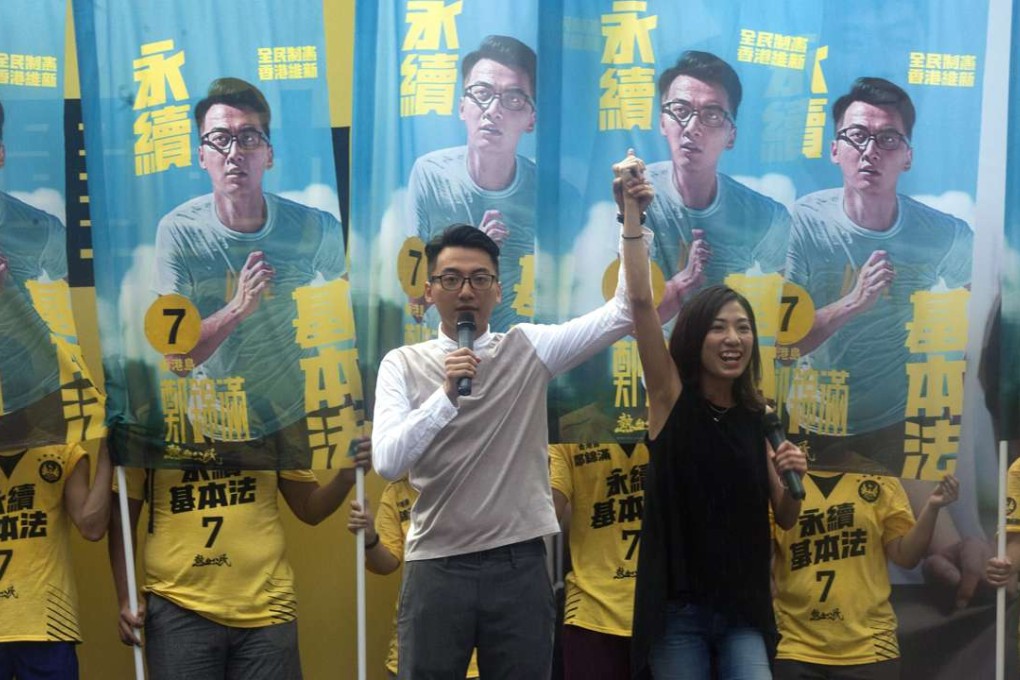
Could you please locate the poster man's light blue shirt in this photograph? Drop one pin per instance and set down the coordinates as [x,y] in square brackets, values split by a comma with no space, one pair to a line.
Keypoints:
[741,226]
[442,193]
[200,258]
[33,243]
[827,250]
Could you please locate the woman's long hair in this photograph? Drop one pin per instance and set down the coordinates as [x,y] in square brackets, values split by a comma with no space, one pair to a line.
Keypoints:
[688,338]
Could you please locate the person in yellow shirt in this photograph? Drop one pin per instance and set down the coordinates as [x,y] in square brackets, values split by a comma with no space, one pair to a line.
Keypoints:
[602,487]
[1001,571]
[384,546]
[220,592]
[831,579]
[42,491]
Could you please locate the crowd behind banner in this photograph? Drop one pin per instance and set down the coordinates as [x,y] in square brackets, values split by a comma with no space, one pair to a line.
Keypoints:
[242,320]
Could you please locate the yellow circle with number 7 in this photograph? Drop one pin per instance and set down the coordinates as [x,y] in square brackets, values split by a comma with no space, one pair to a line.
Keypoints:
[412,270]
[796,314]
[173,325]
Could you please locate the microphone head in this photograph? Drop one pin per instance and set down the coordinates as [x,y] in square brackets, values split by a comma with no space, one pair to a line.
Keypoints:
[466,321]
[770,419]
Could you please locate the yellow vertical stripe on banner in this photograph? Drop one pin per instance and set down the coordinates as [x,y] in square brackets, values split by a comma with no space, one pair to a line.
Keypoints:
[338,16]
[72,89]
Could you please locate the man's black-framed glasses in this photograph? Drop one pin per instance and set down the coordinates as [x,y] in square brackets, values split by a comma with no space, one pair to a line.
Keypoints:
[248,139]
[859,136]
[682,112]
[484,94]
[451,282]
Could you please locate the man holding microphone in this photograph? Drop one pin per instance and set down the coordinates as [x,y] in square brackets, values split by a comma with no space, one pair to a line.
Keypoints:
[475,573]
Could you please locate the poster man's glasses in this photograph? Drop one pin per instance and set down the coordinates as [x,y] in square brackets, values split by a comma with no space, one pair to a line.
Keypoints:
[248,139]
[484,94]
[682,112]
[858,137]
[453,282]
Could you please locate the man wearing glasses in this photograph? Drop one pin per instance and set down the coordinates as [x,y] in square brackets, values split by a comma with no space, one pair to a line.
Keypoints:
[707,225]
[220,590]
[487,183]
[475,571]
[861,252]
[239,253]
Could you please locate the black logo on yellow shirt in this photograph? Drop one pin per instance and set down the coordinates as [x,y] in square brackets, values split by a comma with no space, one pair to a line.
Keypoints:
[9,593]
[51,471]
[869,490]
[218,561]
[831,615]
[1010,506]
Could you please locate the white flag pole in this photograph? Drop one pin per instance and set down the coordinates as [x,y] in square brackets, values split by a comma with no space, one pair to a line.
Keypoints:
[129,562]
[1000,596]
[359,476]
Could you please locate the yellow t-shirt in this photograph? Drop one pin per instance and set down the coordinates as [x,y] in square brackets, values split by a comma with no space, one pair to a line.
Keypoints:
[38,596]
[391,522]
[832,601]
[1013,498]
[605,488]
[215,544]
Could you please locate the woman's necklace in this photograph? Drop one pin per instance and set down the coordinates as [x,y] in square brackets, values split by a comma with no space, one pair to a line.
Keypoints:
[716,412]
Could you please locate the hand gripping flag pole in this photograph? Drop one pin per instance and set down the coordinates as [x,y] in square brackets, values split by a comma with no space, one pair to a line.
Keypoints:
[129,562]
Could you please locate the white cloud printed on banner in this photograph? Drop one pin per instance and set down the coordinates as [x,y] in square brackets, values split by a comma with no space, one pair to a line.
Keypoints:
[595,249]
[956,203]
[384,281]
[317,196]
[47,200]
[136,293]
[778,187]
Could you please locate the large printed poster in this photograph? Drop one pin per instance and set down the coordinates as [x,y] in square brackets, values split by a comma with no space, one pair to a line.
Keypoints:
[799,155]
[822,159]
[446,114]
[851,233]
[221,272]
[46,393]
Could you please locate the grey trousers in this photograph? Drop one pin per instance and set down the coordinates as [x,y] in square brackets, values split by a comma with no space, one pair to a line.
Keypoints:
[498,600]
[181,645]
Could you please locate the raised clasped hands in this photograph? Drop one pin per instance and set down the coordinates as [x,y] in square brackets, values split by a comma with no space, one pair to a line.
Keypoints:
[630,187]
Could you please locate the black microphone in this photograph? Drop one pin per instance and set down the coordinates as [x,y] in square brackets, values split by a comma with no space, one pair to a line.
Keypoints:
[774,433]
[465,338]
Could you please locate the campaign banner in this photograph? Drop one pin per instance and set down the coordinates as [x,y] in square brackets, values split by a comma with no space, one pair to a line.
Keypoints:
[445,120]
[221,274]
[47,395]
[823,160]
[851,233]
[1008,372]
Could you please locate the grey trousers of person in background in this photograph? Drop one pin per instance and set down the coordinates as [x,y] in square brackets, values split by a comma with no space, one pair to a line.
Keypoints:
[497,600]
[183,645]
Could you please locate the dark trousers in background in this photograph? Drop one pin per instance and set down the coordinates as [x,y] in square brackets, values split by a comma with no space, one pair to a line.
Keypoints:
[788,669]
[497,600]
[38,661]
[590,655]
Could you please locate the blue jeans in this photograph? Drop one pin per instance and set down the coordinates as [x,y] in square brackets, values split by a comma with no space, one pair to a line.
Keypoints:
[695,636]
